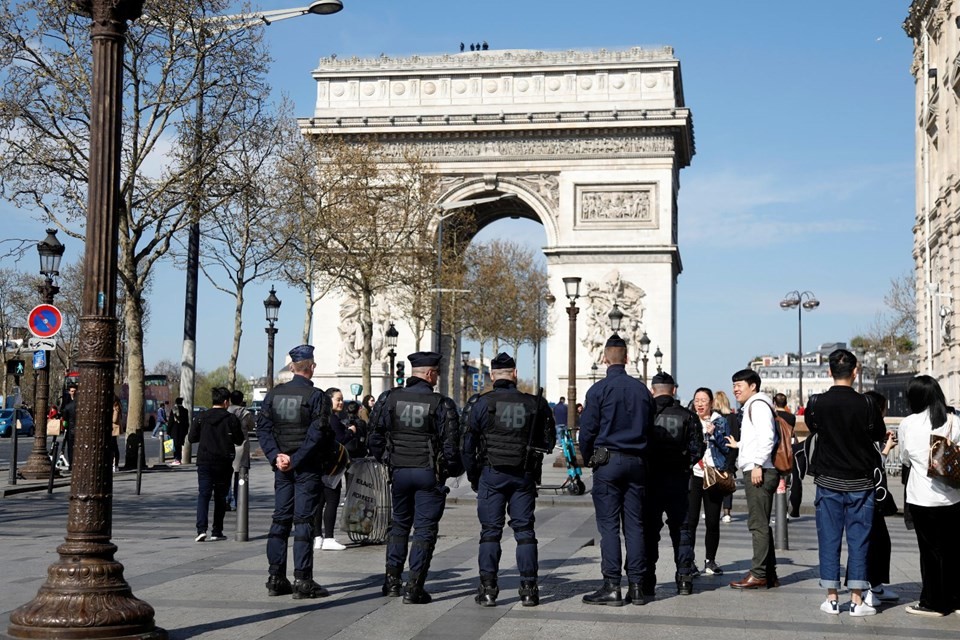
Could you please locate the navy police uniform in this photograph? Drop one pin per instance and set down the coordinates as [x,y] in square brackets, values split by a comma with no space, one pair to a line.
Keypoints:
[616,420]
[415,431]
[675,445]
[503,433]
[295,420]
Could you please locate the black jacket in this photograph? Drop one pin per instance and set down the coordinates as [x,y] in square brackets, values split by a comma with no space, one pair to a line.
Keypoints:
[219,432]
[846,428]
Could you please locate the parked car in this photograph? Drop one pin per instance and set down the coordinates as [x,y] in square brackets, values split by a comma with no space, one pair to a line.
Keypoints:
[23,420]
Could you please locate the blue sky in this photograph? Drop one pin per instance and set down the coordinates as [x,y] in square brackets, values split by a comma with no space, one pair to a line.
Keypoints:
[803,178]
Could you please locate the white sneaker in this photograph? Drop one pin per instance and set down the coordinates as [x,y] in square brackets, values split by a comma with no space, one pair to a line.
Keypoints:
[726,519]
[329,544]
[884,594]
[861,610]
[871,598]
[830,606]
[317,543]
[200,537]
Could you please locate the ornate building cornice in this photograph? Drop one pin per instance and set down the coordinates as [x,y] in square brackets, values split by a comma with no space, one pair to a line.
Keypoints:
[936,11]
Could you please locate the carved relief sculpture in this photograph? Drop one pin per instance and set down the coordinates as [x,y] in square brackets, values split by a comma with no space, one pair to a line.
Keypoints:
[612,206]
[601,296]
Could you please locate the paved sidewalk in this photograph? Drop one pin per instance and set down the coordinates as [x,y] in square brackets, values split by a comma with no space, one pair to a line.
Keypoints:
[216,590]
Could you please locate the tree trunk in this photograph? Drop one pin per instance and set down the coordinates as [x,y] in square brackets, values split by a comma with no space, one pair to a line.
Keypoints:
[237,334]
[133,325]
[308,313]
[366,325]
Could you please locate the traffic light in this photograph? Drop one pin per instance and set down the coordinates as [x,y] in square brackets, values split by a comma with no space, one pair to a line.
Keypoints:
[400,377]
[15,368]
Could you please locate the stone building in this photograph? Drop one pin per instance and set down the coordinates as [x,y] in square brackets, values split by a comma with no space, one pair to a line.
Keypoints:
[933,27]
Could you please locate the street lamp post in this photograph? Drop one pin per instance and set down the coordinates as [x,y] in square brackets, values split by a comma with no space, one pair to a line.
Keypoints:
[644,350]
[85,594]
[235,22]
[593,373]
[571,287]
[392,334]
[616,317]
[658,357]
[549,299]
[466,373]
[38,464]
[801,301]
[272,307]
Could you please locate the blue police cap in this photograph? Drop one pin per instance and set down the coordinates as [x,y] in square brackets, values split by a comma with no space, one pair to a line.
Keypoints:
[303,352]
[664,378]
[615,341]
[424,359]
[503,361]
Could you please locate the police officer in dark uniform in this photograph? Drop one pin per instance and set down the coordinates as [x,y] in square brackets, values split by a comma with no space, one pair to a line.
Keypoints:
[294,432]
[416,432]
[614,426]
[504,434]
[675,445]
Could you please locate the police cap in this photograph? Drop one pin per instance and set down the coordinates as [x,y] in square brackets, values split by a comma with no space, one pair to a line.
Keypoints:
[303,352]
[664,378]
[424,359]
[503,361]
[615,341]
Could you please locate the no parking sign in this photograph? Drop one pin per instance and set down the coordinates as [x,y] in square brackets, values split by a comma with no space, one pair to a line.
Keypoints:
[44,321]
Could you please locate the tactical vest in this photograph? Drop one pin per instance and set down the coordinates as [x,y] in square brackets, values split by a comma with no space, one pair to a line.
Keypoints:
[510,417]
[670,439]
[413,437]
[290,413]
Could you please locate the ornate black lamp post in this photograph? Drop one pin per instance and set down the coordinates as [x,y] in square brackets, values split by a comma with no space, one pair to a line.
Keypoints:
[571,287]
[85,594]
[801,301]
[644,350]
[616,317]
[658,356]
[272,307]
[392,334]
[466,372]
[593,373]
[38,464]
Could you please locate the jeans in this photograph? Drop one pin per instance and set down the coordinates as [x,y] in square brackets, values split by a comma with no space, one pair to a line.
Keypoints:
[498,493]
[759,504]
[213,480]
[618,499]
[839,511]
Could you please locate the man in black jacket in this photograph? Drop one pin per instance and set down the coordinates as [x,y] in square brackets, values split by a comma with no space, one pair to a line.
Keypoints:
[218,432]
[846,425]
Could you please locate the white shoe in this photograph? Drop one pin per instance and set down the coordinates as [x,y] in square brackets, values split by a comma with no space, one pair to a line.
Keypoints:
[861,610]
[830,606]
[318,543]
[884,594]
[330,544]
[726,519]
[871,598]
[200,537]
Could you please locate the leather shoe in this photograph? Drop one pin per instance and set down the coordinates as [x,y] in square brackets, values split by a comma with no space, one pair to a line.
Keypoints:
[635,595]
[751,582]
[609,595]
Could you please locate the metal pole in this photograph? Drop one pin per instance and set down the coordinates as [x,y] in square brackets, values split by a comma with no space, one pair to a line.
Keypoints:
[271,332]
[55,452]
[800,346]
[243,511]
[645,369]
[782,539]
[38,464]
[537,345]
[85,594]
[572,312]
[13,443]
[436,338]
[140,463]
[393,361]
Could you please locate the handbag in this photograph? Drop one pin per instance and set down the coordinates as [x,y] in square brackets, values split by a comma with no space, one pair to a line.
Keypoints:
[718,481]
[168,447]
[944,461]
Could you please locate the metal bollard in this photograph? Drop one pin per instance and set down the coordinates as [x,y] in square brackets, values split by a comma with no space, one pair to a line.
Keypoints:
[139,462]
[13,455]
[782,539]
[53,465]
[243,512]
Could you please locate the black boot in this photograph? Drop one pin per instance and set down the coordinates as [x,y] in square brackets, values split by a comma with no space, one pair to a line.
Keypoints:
[413,592]
[487,592]
[393,581]
[608,594]
[648,586]
[529,593]
[684,585]
[278,586]
[305,587]
[635,594]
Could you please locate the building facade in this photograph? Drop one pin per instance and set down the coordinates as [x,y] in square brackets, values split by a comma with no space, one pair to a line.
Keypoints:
[933,27]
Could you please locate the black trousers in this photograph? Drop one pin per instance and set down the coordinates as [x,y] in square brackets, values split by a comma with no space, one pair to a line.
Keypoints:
[325,521]
[936,529]
[712,503]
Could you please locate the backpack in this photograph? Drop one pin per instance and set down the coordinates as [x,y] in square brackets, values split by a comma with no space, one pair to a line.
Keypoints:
[782,452]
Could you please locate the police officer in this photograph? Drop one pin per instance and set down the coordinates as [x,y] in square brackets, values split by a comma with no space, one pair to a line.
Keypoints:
[675,445]
[293,429]
[616,420]
[504,433]
[415,431]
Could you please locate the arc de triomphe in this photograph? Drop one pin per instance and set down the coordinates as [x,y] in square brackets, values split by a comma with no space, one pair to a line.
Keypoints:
[590,142]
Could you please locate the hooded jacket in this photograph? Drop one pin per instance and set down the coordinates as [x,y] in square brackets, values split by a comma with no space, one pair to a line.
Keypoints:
[218,431]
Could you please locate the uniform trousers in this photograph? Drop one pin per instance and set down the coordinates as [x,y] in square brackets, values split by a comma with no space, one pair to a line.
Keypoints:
[295,504]
[418,503]
[618,498]
[668,493]
[512,491]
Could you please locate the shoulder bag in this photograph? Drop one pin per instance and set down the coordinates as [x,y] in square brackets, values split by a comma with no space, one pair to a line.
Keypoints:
[720,482]
[944,461]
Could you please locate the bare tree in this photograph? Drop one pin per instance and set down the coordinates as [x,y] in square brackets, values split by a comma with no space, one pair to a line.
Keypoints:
[171,58]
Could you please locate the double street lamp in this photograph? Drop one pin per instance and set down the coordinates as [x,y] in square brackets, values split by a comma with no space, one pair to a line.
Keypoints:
[658,357]
[644,350]
[571,287]
[38,464]
[272,307]
[805,301]
[392,334]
